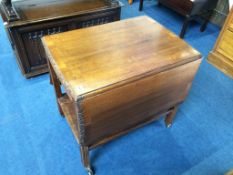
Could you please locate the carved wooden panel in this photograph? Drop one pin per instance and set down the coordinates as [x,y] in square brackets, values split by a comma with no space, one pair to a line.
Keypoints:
[25,33]
[27,39]
[32,41]
[96,21]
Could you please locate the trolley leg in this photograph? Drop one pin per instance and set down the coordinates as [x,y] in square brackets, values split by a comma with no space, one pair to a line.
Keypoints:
[85,159]
[169,117]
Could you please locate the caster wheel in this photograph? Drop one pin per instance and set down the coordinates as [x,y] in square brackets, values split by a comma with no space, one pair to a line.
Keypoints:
[89,171]
[169,125]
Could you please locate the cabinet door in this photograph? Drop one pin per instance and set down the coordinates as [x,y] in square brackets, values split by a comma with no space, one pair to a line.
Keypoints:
[32,42]
[31,37]
[28,37]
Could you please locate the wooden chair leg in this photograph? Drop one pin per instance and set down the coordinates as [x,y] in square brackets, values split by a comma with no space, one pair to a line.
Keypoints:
[159,3]
[170,116]
[85,159]
[184,27]
[207,18]
[141,5]
[50,80]
[56,85]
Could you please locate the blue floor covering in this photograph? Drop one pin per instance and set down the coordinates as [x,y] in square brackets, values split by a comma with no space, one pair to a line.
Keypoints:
[35,140]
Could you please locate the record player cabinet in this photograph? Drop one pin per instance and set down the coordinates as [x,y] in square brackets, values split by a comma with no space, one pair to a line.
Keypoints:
[26,21]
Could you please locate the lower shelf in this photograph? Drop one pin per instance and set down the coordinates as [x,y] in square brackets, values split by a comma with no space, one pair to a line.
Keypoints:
[69,112]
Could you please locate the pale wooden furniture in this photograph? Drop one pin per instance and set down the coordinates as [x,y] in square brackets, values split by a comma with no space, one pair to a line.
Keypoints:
[220,13]
[120,82]
[230,172]
[222,54]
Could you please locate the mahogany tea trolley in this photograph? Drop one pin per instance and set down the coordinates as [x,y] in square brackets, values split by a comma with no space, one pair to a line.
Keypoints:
[121,82]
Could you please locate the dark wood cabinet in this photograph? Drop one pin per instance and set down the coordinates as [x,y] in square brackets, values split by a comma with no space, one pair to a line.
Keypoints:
[27,21]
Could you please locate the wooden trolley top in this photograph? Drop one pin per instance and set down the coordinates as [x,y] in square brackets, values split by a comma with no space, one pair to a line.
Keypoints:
[95,59]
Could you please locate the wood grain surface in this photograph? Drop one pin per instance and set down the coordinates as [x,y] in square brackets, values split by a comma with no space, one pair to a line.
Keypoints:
[118,77]
[135,103]
[222,54]
[96,58]
[32,10]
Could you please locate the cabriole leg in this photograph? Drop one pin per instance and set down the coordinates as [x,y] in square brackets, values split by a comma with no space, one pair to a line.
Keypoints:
[169,117]
[85,159]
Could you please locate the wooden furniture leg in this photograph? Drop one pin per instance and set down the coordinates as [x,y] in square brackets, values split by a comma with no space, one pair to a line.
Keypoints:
[56,85]
[85,159]
[185,26]
[50,79]
[204,25]
[169,117]
[141,5]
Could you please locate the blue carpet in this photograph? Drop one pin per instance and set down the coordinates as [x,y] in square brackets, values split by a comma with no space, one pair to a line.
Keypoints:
[35,140]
